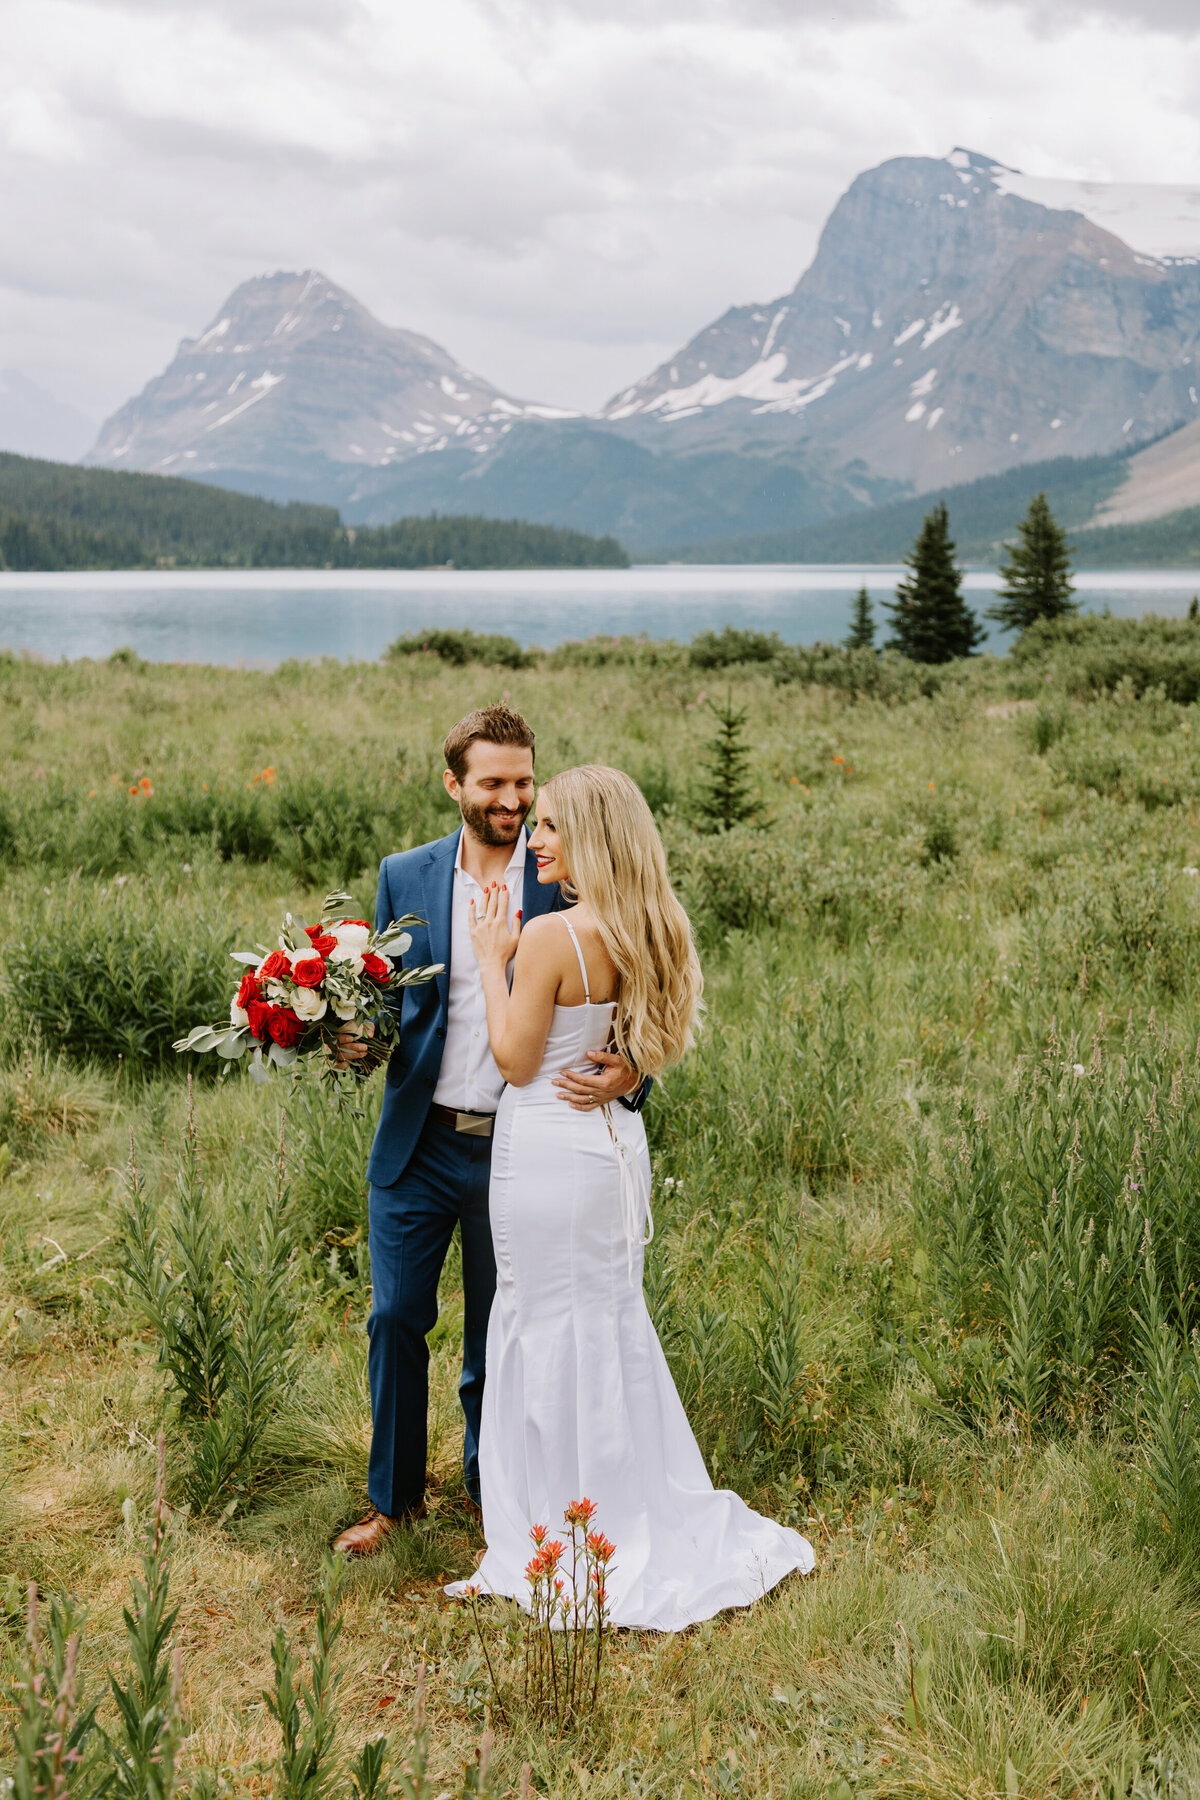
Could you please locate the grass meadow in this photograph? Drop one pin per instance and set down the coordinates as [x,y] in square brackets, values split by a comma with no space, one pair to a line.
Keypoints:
[928,1249]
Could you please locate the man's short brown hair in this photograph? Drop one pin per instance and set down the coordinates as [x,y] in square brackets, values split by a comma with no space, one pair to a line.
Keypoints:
[488,725]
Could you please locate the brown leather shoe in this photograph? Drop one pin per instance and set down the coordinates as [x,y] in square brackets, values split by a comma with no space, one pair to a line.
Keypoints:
[366,1538]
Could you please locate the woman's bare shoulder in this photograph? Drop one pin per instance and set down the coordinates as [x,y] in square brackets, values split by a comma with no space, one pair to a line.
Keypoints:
[544,937]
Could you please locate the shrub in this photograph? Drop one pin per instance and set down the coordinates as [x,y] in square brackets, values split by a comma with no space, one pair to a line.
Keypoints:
[458,648]
[871,674]
[120,971]
[1090,654]
[744,880]
[722,649]
[618,652]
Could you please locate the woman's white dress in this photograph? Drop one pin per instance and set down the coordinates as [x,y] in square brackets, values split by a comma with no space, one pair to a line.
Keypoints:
[579,1401]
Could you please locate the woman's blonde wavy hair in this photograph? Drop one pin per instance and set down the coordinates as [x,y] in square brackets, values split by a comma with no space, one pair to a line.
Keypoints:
[618,869]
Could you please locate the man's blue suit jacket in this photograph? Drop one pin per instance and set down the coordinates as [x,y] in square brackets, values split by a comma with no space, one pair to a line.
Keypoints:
[422,881]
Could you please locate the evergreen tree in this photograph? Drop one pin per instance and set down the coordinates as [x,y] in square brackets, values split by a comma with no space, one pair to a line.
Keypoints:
[1037,575]
[861,635]
[931,623]
[725,800]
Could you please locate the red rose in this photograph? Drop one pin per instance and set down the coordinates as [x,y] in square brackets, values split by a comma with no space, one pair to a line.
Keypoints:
[285,1028]
[365,922]
[275,965]
[260,1018]
[376,967]
[308,971]
[249,990]
[322,943]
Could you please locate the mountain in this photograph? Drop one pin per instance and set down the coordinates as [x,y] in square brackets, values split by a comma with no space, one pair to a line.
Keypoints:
[295,392]
[34,423]
[958,318]
[295,388]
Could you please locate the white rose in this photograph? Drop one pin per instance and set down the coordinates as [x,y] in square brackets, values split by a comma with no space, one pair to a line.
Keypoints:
[352,932]
[238,1014]
[345,1009]
[278,990]
[347,953]
[308,1004]
[402,943]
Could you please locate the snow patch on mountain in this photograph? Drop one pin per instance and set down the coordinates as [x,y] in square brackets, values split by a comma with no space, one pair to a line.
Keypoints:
[1159,220]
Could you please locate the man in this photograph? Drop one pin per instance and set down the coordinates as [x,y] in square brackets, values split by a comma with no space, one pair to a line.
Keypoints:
[431,1159]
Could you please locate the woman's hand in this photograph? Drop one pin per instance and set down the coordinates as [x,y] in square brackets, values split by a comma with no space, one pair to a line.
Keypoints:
[492,938]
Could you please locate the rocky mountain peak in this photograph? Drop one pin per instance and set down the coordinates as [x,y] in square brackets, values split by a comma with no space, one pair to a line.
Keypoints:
[293,366]
[952,323]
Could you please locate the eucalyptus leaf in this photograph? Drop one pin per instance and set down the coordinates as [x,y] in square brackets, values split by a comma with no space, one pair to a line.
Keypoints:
[283,1056]
[258,1070]
[250,957]
[235,1045]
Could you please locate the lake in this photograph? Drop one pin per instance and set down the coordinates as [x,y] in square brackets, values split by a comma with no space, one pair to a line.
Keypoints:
[260,617]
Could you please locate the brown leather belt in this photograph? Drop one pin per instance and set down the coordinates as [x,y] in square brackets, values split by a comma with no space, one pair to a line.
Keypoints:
[473,1124]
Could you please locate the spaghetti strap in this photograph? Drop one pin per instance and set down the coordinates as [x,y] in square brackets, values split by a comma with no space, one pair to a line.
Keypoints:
[587,992]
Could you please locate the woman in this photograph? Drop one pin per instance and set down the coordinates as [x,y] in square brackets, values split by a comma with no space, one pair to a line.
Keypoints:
[579,1400]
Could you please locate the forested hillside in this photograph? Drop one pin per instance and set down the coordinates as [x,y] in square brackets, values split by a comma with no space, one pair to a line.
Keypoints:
[58,516]
[982,514]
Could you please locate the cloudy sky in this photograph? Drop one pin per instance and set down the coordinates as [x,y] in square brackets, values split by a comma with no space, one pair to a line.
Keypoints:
[560,191]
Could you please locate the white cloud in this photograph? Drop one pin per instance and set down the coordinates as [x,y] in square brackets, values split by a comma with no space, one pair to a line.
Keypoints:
[561,191]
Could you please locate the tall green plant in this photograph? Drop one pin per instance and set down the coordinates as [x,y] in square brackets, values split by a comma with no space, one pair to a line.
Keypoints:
[145,1745]
[52,1735]
[306,1711]
[222,1309]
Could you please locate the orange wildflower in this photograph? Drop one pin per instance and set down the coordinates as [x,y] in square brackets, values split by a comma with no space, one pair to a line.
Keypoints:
[146,785]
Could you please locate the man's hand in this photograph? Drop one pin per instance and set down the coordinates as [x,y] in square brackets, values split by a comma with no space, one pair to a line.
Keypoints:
[350,1046]
[586,1089]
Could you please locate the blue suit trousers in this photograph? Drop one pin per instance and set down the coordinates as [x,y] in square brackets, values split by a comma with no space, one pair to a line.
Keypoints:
[445,1183]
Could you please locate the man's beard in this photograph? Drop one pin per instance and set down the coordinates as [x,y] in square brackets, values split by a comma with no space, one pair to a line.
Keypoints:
[488,830]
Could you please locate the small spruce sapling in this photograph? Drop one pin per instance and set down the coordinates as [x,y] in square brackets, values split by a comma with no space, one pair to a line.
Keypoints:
[861,635]
[726,800]
[1037,575]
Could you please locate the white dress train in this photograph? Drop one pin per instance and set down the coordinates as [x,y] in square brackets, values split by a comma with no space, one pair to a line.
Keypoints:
[579,1401]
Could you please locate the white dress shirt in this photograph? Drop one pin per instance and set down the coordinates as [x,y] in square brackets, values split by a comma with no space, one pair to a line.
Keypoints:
[469,1079]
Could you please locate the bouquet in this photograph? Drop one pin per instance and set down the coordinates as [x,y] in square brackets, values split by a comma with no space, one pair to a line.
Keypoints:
[322,988]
